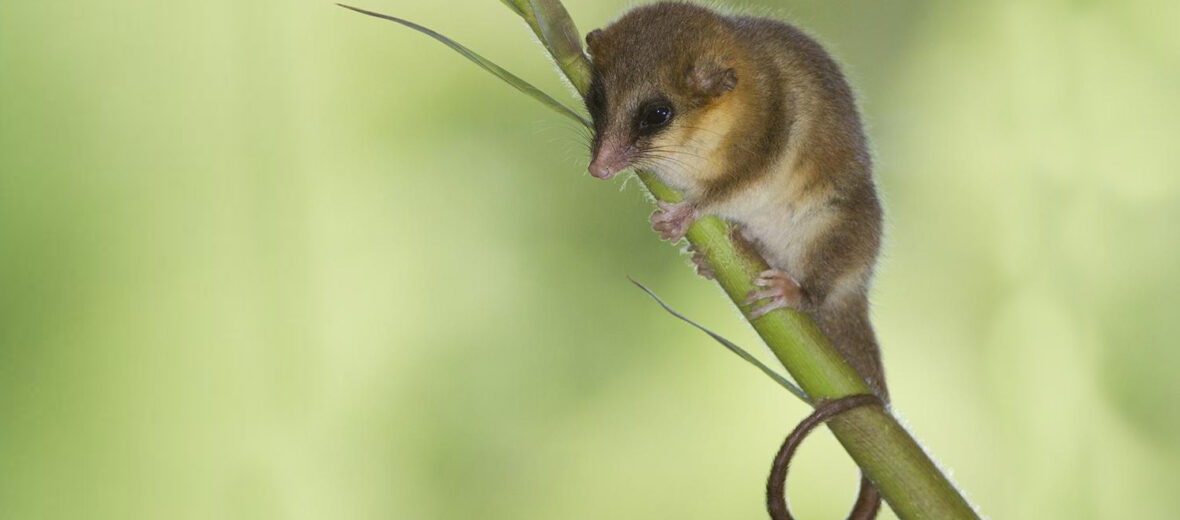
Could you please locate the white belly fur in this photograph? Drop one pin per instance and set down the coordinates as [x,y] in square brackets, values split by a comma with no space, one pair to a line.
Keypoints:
[782,226]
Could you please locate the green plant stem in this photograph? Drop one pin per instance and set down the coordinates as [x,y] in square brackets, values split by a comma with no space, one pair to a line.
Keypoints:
[908,479]
[553,26]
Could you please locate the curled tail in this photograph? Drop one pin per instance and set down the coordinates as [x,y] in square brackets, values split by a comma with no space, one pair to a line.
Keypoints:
[847,326]
[868,501]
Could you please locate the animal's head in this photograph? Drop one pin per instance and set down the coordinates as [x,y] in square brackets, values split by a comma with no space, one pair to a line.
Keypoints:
[662,77]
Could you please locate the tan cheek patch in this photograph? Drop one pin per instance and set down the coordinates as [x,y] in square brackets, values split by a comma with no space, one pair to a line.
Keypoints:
[673,149]
[720,114]
[674,138]
[698,136]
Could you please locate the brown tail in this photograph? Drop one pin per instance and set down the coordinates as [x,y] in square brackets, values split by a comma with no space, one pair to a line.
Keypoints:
[868,501]
[847,325]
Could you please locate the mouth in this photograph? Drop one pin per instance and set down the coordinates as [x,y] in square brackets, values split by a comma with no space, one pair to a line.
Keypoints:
[603,173]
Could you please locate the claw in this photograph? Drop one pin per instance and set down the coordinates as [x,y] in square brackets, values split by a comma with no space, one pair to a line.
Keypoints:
[754,296]
[776,303]
[780,289]
[703,268]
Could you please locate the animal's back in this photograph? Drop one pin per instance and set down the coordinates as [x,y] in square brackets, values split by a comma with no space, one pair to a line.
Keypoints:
[830,233]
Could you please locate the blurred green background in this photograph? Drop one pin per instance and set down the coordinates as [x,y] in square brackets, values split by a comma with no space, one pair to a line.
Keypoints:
[279,260]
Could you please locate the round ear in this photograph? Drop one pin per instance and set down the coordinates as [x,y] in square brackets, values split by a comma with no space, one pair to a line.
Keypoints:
[710,79]
[592,38]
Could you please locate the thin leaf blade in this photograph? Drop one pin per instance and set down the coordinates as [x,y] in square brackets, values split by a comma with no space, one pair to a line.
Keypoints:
[484,63]
[778,378]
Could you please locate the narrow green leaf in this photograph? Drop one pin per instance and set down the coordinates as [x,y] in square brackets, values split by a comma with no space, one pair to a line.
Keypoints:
[778,378]
[486,64]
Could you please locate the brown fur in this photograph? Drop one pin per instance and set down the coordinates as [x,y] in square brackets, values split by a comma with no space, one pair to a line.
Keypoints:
[782,146]
[765,134]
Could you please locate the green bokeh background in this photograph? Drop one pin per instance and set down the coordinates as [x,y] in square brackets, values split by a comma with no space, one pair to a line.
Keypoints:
[269,259]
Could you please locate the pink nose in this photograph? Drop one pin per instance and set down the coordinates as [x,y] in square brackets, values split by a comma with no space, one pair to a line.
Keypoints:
[608,161]
[600,169]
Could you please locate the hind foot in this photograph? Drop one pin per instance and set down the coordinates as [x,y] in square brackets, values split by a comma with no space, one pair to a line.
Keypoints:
[779,289]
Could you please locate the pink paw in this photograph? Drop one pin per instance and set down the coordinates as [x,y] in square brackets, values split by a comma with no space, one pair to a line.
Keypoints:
[779,288]
[672,220]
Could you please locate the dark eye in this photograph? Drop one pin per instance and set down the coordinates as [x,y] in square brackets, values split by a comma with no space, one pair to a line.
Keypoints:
[655,115]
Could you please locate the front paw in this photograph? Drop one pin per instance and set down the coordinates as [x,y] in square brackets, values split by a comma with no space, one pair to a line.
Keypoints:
[672,220]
